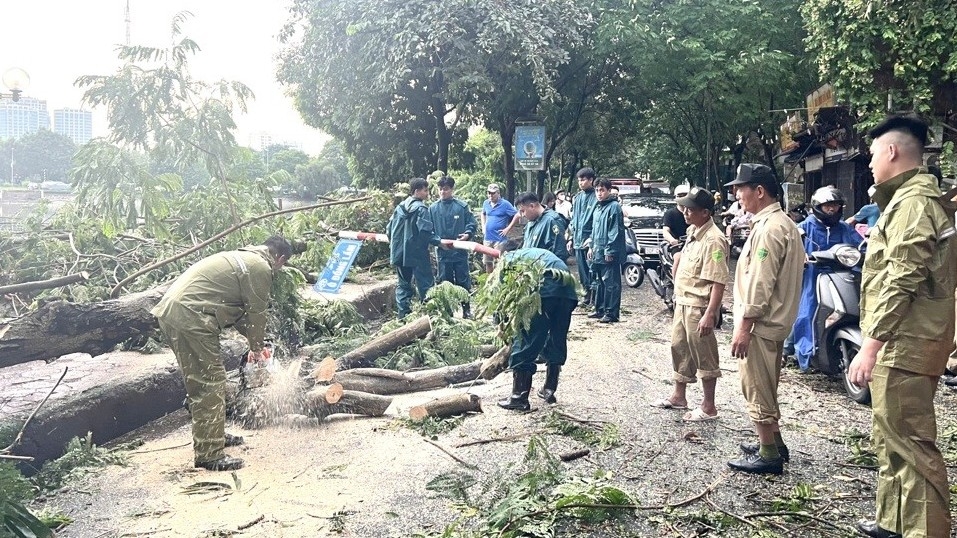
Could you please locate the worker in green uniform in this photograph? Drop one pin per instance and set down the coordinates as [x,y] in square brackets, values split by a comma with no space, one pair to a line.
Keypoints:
[545,228]
[454,220]
[767,290]
[228,289]
[547,334]
[583,209]
[606,251]
[410,232]
[907,320]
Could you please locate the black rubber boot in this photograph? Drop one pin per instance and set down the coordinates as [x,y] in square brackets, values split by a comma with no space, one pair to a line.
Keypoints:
[466,311]
[551,384]
[521,386]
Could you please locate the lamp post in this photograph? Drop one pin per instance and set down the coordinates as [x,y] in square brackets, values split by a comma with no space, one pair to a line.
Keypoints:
[16,80]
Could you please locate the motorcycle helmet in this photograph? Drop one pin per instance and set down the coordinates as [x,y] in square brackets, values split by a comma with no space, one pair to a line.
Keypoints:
[823,196]
[682,190]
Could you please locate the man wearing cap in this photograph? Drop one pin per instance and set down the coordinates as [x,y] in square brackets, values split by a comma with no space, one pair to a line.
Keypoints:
[700,278]
[583,210]
[454,220]
[767,288]
[673,225]
[410,232]
[907,319]
[498,218]
[545,228]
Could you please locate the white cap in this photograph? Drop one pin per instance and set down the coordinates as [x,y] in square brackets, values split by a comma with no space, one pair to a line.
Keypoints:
[682,189]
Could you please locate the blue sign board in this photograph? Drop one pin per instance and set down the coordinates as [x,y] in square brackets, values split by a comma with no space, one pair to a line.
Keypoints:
[330,280]
[530,147]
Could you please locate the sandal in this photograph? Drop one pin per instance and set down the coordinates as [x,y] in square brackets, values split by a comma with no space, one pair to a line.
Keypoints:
[665,403]
[697,415]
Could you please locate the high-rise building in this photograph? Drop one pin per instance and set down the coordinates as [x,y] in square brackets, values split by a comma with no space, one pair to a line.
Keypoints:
[74,123]
[24,117]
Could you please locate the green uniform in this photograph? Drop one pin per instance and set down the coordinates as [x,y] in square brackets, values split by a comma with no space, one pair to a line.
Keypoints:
[452,218]
[410,233]
[607,239]
[767,289]
[222,290]
[548,331]
[583,210]
[547,232]
[907,302]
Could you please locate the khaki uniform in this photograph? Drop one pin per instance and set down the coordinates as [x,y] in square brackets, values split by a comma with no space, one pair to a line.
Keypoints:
[908,302]
[703,263]
[767,289]
[222,290]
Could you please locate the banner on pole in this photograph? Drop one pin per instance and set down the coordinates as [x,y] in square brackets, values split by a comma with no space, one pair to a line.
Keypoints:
[530,147]
[336,269]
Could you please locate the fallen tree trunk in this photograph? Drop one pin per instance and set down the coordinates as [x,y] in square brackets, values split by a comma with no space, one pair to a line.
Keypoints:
[59,328]
[57,282]
[381,381]
[495,364]
[365,355]
[456,404]
[349,402]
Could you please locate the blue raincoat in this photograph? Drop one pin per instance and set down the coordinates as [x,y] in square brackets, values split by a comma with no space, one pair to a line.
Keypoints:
[817,236]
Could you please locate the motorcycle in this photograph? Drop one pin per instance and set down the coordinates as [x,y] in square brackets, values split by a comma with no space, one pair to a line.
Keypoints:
[739,235]
[660,277]
[837,329]
[633,268]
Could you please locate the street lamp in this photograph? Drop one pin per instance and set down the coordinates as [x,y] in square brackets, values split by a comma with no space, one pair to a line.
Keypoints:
[16,80]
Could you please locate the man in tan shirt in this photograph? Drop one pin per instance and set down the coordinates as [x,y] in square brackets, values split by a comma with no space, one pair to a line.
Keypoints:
[700,278]
[767,289]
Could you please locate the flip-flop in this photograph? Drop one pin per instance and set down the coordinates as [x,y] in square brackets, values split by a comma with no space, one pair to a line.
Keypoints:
[697,415]
[665,403]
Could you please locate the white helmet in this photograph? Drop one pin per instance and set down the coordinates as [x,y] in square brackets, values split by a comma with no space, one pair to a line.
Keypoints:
[682,190]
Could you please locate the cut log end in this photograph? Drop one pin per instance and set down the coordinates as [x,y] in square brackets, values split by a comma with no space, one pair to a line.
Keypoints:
[325,371]
[333,393]
[447,406]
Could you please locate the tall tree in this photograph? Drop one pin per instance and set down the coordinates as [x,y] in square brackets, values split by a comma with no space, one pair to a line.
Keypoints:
[41,156]
[895,53]
[397,80]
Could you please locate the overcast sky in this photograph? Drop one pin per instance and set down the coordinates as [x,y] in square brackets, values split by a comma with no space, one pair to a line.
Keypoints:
[56,41]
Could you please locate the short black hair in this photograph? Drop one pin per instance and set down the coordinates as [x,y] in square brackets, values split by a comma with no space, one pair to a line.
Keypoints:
[907,123]
[549,198]
[279,247]
[446,181]
[527,198]
[586,172]
[603,182]
[417,184]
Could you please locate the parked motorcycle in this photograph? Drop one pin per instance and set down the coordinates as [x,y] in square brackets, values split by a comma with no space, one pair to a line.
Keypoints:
[660,277]
[837,320]
[633,268]
[739,235]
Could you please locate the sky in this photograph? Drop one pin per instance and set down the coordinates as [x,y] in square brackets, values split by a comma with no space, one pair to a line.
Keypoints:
[56,41]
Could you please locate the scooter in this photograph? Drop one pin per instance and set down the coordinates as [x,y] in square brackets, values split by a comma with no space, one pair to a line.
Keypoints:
[837,320]
[633,268]
[660,277]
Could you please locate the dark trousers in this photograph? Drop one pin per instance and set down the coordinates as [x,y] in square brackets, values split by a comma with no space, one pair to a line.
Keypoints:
[607,286]
[456,272]
[547,336]
[584,269]
[404,291]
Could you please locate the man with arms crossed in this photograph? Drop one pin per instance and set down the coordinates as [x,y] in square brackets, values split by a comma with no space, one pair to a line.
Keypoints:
[767,290]
[907,319]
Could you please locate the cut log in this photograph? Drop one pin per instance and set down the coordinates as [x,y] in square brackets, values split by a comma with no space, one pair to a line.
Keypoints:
[487,350]
[381,381]
[350,402]
[325,371]
[59,328]
[495,364]
[455,404]
[45,284]
[365,355]
[574,454]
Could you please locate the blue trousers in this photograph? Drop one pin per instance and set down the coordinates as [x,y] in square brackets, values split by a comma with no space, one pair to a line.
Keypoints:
[607,286]
[547,335]
[404,291]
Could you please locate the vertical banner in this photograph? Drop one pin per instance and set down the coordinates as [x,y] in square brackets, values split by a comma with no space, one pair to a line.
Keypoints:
[336,269]
[530,147]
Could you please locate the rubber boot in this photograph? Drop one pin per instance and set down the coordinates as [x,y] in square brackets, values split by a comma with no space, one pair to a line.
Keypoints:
[551,384]
[466,311]
[521,386]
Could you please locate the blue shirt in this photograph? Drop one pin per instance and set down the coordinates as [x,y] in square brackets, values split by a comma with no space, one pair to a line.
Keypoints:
[868,215]
[497,218]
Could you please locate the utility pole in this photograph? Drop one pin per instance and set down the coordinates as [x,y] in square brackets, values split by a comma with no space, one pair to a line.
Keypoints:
[127,23]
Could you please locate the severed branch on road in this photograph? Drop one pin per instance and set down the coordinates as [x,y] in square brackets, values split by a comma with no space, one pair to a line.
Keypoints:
[57,282]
